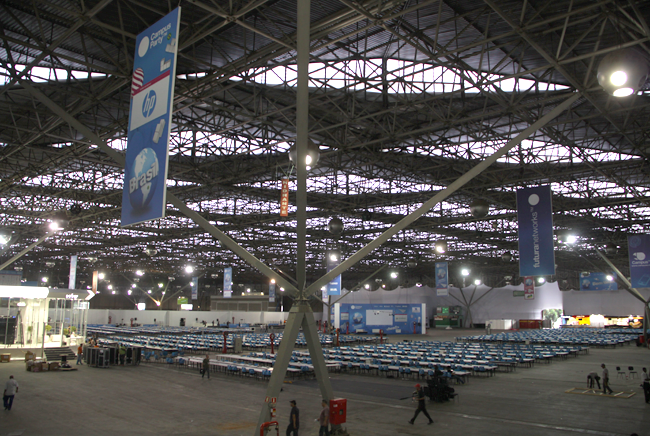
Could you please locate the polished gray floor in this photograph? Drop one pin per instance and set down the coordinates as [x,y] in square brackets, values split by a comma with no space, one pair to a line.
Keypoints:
[158,399]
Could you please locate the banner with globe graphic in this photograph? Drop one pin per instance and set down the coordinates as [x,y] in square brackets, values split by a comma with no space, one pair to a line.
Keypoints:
[535,217]
[152,94]
[639,252]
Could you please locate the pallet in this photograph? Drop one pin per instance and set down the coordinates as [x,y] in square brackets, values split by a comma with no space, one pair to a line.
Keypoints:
[598,393]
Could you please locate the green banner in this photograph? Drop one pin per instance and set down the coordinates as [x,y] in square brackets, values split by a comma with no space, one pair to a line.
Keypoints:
[181,300]
[517,293]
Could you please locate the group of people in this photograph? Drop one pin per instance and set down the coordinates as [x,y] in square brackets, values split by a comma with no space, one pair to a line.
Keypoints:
[594,379]
[323,419]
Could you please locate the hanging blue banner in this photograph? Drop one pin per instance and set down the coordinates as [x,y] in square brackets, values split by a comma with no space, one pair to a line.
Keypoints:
[152,96]
[272,293]
[598,281]
[638,247]
[333,260]
[195,288]
[442,278]
[227,282]
[535,214]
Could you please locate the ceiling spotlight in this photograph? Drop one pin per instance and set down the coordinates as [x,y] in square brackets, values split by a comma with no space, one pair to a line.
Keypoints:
[189,269]
[541,280]
[571,239]
[160,285]
[477,282]
[133,285]
[394,274]
[366,286]
[609,277]
[281,289]
[113,292]
[313,154]
[5,237]
[623,72]
[150,251]
[418,284]
[50,263]
[139,273]
[109,287]
[101,276]
[129,292]
[44,279]
[465,272]
[59,221]
[334,257]
[149,291]
[441,247]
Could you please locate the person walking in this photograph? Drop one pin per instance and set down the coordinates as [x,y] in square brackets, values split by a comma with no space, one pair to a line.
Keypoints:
[80,350]
[294,419]
[324,419]
[422,407]
[206,366]
[11,388]
[606,387]
[646,384]
[122,354]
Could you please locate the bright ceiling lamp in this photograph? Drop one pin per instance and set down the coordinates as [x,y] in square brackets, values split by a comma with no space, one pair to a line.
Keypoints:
[5,237]
[441,247]
[623,72]
[313,154]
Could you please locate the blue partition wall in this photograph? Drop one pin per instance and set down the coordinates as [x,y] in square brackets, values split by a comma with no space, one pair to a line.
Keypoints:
[391,318]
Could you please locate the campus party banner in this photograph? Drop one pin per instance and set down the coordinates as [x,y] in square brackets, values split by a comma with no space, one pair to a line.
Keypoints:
[597,281]
[152,95]
[195,288]
[227,282]
[442,279]
[638,247]
[535,213]
[333,287]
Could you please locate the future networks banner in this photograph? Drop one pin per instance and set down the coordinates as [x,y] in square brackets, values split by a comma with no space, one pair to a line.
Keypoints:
[639,252]
[152,95]
[442,279]
[535,213]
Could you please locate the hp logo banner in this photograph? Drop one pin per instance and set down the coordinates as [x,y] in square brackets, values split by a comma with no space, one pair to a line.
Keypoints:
[149,103]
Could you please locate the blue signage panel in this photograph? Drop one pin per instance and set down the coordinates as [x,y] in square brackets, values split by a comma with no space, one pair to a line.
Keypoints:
[152,94]
[272,293]
[391,318]
[535,214]
[598,281]
[333,260]
[227,282]
[638,247]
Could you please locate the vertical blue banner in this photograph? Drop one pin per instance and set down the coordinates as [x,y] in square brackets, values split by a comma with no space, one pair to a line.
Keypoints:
[227,282]
[195,288]
[272,293]
[333,260]
[442,278]
[535,214]
[152,96]
[638,247]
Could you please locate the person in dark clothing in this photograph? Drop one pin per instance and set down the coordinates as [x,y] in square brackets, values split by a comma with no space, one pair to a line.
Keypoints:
[294,419]
[206,366]
[646,384]
[606,388]
[422,407]
[591,378]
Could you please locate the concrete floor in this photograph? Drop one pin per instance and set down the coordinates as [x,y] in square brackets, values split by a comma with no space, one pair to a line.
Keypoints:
[158,399]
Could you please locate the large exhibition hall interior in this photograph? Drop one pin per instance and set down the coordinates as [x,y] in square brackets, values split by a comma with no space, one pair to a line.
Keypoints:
[210,208]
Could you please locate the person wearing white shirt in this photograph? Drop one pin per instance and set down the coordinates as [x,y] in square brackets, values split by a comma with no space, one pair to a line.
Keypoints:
[606,387]
[10,391]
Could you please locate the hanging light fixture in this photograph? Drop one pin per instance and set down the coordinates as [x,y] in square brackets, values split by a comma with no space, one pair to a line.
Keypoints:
[313,154]
[623,72]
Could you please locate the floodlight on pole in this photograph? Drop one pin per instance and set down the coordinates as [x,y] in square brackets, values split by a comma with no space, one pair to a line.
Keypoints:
[313,154]
[623,72]
[189,269]
[441,247]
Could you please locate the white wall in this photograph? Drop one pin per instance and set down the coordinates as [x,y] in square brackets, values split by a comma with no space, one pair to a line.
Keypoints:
[608,303]
[173,317]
